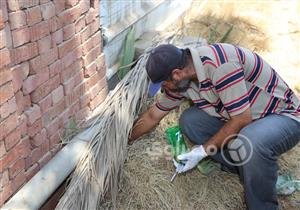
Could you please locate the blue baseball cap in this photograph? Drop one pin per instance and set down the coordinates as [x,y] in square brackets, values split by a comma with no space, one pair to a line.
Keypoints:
[160,64]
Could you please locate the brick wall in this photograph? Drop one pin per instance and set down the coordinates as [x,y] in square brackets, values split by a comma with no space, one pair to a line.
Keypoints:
[52,72]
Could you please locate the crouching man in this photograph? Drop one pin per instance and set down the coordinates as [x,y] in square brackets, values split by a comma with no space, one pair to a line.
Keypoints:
[236,94]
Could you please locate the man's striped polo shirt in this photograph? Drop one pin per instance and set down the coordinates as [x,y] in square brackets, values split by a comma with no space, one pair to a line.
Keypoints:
[231,80]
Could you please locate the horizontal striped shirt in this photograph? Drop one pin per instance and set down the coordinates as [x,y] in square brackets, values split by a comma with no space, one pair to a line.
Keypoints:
[231,80]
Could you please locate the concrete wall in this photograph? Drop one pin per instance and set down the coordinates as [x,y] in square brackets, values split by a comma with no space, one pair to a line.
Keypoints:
[52,72]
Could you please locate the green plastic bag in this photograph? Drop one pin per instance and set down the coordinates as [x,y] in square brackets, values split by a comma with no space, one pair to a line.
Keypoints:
[176,141]
[178,146]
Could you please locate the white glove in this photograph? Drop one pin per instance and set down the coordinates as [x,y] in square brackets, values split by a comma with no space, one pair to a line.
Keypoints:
[191,159]
[178,166]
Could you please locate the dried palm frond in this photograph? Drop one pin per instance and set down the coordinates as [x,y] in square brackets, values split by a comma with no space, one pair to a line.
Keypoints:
[96,175]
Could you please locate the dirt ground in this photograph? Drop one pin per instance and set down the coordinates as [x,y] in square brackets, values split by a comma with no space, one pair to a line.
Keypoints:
[271,28]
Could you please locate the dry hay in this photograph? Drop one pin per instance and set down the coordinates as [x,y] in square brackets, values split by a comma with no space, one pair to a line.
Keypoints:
[145,183]
[215,18]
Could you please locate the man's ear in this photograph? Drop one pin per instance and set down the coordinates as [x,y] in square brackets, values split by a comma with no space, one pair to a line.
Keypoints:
[176,74]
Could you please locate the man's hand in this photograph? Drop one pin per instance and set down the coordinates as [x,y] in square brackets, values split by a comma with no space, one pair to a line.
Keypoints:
[191,159]
[146,122]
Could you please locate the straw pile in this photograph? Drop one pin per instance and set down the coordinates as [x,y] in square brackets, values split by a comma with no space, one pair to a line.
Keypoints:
[147,172]
[97,174]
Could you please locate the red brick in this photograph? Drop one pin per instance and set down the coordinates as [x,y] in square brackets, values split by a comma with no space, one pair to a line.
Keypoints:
[5,57]
[22,69]
[33,114]
[50,56]
[24,53]
[4,179]
[29,84]
[64,117]
[54,111]
[8,108]
[13,5]
[69,31]
[36,65]
[95,26]
[59,6]
[83,114]
[57,94]
[7,91]
[57,37]
[20,73]
[39,30]
[98,99]
[91,56]
[54,24]
[17,19]
[18,166]
[79,24]
[90,82]
[97,88]
[35,128]
[101,68]
[28,3]
[71,57]
[84,6]
[71,3]
[91,43]
[8,37]
[74,96]
[44,44]
[34,15]
[85,100]
[91,16]
[45,159]
[20,36]
[21,150]
[45,89]
[55,68]
[70,71]
[3,6]
[46,103]
[19,180]
[48,10]
[54,141]
[90,30]
[6,193]
[44,1]
[30,172]
[90,70]
[2,22]
[5,76]
[72,82]
[39,138]
[23,125]
[74,109]
[34,81]
[70,15]
[68,46]
[2,39]
[12,139]
[2,150]
[54,126]
[36,154]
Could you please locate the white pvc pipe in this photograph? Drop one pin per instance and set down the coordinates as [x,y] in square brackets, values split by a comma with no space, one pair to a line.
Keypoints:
[36,192]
